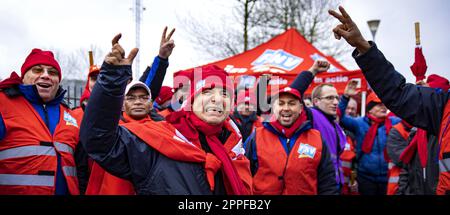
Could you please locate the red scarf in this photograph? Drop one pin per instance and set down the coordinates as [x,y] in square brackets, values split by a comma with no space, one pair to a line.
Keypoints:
[14,79]
[288,132]
[189,125]
[369,139]
[419,144]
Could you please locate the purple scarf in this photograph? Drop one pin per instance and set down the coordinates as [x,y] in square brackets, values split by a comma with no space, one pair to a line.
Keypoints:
[335,146]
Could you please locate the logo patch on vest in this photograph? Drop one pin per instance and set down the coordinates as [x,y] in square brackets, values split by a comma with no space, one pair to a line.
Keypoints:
[70,120]
[306,151]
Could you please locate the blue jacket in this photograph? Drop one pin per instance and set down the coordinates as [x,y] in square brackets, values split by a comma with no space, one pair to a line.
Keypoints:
[49,113]
[371,166]
[326,184]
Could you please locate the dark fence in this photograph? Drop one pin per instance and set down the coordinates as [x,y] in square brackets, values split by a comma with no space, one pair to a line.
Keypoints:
[73,95]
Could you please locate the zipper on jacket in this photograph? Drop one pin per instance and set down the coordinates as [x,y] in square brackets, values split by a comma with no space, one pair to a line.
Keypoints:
[46,120]
[288,145]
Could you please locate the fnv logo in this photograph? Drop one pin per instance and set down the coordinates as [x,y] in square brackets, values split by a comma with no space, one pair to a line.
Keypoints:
[306,151]
[278,58]
[70,120]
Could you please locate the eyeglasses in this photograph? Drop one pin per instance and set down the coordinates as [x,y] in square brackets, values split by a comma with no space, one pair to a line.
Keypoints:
[39,70]
[134,98]
[330,98]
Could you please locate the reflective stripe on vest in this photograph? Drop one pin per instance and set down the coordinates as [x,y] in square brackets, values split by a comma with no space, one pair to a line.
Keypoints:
[62,147]
[27,180]
[70,170]
[444,165]
[393,179]
[25,151]
[347,164]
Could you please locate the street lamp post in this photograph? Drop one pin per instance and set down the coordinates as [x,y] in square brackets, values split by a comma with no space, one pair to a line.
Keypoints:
[373,26]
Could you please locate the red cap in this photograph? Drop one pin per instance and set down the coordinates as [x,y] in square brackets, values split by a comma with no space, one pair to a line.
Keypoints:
[289,90]
[37,57]
[246,96]
[436,81]
[372,97]
[165,94]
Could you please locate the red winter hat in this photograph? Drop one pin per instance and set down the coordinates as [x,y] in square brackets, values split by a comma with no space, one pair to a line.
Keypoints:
[208,77]
[246,96]
[37,57]
[182,78]
[165,94]
[436,81]
[288,90]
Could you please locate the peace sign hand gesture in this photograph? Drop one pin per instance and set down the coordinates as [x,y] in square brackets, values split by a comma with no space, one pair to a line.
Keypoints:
[117,55]
[166,46]
[349,31]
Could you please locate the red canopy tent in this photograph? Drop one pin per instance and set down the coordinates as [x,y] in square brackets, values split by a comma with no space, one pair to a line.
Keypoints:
[284,57]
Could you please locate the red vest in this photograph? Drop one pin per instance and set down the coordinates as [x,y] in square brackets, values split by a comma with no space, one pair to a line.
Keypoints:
[279,174]
[347,157]
[394,170]
[165,112]
[28,161]
[443,186]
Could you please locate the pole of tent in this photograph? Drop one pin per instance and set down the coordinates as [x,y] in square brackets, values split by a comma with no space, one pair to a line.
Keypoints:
[363,103]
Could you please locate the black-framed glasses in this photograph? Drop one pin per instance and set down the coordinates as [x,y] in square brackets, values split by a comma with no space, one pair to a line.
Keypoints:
[330,98]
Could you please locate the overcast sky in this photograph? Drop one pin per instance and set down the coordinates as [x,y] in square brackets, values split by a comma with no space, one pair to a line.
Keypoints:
[70,25]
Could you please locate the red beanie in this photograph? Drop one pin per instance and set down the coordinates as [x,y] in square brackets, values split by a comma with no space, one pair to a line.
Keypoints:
[165,94]
[246,96]
[37,57]
[436,81]
[208,77]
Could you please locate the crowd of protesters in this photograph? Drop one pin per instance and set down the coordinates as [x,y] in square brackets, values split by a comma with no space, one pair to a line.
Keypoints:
[204,137]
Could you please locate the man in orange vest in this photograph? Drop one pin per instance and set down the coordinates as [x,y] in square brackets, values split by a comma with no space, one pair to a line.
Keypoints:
[288,156]
[396,142]
[196,151]
[137,106]
[38,134]
[423,107]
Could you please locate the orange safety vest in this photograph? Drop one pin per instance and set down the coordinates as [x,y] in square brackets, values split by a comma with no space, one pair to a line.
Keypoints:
[443,187]
[347,157]
[78,114]
[278,173]
[394,170]
[28,161]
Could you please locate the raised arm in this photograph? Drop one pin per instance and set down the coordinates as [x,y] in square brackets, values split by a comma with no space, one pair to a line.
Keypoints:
[100,134]
[305,78]
[420,106]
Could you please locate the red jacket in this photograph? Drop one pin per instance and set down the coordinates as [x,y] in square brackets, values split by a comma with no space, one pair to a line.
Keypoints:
[28,160]
[443,187]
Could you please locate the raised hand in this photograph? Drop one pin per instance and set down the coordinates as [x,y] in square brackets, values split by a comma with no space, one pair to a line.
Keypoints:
[350,89]
[319,66]
[349,31]
[166,46]
[117,55]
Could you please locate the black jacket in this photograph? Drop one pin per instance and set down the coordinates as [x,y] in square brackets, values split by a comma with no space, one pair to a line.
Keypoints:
[415,180]
[123,154]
